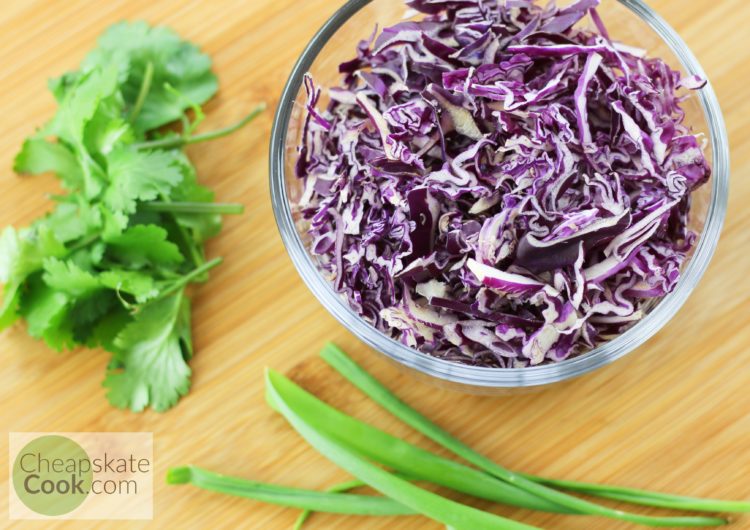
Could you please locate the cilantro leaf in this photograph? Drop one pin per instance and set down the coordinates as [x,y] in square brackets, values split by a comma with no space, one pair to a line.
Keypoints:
[22,254]
[139,176]
[68,278]
[114,223]
[143,245]
[178,63]
[44,310]
[140,285]
[108,128]
[105,329]
[59,86]
[78,107]
[80,103]
[73,218]
[40,156]
[86,312]
[64,310]
[10,252]
[201,226]
[151,367]
[9,307]
[90,256]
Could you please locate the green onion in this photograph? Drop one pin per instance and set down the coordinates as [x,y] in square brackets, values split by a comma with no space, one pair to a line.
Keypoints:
[414,462]
[343,503]
[646,498]
[358,447]
[376,391]
[336,488]
[290,400]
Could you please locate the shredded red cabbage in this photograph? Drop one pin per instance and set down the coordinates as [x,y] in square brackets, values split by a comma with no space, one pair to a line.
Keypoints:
[495,186]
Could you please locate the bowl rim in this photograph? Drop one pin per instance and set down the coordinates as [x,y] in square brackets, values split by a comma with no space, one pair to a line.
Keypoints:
[483,377]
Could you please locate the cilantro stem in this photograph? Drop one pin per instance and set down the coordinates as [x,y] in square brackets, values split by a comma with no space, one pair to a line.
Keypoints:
[196,254]
[189,277]
[194,207]
[212,135]
[148,77]
[173,142]
[86,241]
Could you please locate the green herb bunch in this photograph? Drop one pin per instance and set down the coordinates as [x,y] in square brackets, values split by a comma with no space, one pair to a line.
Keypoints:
[109,265]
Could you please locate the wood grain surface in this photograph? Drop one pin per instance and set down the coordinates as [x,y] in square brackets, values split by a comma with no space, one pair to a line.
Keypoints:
[673,416]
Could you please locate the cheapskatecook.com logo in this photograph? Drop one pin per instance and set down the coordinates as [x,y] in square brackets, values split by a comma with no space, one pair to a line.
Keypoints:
[81,475]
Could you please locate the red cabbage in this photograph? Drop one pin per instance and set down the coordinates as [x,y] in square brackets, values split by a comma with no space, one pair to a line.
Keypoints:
[494,185]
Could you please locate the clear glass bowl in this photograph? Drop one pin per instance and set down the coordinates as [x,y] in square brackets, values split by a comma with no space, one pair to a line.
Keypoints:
[629,21]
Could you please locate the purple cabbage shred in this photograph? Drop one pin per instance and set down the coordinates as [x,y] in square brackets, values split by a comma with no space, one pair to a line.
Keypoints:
[494,185]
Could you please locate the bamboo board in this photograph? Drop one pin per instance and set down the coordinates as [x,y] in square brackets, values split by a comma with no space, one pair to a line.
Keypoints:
[674,416]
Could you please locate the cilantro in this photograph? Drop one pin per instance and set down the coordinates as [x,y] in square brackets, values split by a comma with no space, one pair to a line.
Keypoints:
[140,285]
[9,306]
[174,62]
[139,175]
[151,366]
[73,218]
[40,156]
[109,265]
[44,309]
[21,255]
[142,245]
[85,313]
[69,278]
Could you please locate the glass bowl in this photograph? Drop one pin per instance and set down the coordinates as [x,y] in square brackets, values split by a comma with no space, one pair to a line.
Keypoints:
[629,21]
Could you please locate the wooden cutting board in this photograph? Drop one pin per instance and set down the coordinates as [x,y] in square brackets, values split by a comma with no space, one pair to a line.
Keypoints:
[674,416]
